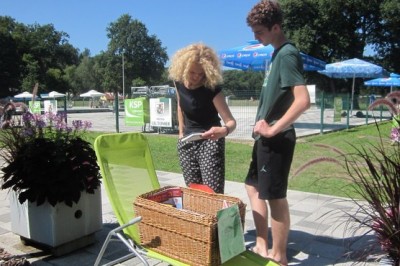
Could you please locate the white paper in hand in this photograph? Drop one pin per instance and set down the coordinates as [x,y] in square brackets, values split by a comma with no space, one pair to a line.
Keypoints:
[192,137]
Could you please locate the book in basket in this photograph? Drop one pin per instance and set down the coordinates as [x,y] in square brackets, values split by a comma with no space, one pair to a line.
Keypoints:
[171,196]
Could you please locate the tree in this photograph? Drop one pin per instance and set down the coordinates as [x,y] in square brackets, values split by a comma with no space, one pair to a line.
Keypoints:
[343,29]
[109,68]
[331,30]
[10,61]
[33,54]
[50,50]
[144,56]
[242,84]
[387,37]
[86,75]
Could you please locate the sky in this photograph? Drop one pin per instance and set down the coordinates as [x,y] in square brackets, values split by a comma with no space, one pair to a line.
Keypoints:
[220,24]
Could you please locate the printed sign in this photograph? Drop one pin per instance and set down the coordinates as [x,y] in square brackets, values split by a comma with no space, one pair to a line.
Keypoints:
[161,112]
[50,106]
[311,92]
[337,109]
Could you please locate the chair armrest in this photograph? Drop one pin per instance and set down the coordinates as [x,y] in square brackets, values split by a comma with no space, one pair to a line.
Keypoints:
[131,222]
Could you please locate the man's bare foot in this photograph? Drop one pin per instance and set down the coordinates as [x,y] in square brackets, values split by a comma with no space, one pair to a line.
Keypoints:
[257,251]
[280,261]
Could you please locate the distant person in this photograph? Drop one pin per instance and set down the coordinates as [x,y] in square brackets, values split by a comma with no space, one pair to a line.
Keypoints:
[284,97]
[8,111]
[372,98]
[196,71]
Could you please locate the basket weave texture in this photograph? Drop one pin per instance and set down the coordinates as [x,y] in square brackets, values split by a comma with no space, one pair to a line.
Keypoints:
[189,235]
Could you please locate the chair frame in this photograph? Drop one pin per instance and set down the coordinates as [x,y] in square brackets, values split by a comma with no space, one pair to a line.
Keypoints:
[118,232]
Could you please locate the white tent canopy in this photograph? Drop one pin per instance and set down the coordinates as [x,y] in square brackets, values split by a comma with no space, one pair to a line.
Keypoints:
[24,95]
[92,93]
[53,94]
[56,94]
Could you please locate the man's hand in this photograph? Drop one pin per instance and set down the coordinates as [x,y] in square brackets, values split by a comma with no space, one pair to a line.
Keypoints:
[262,128]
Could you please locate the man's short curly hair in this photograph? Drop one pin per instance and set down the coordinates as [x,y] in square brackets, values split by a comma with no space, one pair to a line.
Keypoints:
[266,13]
[196,53]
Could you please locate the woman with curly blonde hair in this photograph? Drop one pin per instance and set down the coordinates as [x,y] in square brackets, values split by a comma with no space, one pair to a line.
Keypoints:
[196,72]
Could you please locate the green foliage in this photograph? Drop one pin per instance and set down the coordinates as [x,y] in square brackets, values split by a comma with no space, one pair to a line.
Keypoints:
[138,82]
[83,77]
[387,37]
[331,29]
[10,61]
[242,84]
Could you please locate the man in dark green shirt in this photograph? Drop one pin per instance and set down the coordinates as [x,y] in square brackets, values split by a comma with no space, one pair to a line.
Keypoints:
[284,97]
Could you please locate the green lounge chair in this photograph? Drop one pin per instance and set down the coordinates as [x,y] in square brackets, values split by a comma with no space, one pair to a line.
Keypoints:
[127,169]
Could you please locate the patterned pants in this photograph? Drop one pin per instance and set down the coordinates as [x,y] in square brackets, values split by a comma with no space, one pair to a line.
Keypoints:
[203,162]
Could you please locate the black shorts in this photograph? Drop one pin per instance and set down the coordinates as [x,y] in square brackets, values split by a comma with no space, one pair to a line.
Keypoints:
[270,165]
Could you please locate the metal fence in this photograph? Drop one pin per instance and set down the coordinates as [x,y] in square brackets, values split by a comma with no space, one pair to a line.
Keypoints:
[324,116]
[328,113]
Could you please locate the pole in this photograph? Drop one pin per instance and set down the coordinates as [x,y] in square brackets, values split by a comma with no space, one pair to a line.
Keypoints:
[123,76]
[348,113]
[352,94]
[321,131]
[65,108]
[116,107]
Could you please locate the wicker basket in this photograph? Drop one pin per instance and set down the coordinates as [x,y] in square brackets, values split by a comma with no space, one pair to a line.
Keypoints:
[188,235]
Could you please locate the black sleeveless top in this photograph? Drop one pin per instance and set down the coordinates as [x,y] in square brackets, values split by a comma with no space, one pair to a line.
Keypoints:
[198,109]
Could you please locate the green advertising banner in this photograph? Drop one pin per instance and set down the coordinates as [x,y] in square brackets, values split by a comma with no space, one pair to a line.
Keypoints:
[337,109]
[34,107]
[136,111]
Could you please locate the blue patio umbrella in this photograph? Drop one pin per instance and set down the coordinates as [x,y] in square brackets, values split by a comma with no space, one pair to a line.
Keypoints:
[384,82]
[255,56]
[353,68]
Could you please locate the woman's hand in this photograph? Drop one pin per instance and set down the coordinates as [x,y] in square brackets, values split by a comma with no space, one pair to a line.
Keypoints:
[215,133]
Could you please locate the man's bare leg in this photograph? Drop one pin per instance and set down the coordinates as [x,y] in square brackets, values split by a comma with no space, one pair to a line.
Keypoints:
[280,226]
[260,216]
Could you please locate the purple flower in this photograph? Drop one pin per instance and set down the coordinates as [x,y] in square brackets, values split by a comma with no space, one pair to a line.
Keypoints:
[87,125]
[40,124]
[28,132]
[77,124]
[395,134]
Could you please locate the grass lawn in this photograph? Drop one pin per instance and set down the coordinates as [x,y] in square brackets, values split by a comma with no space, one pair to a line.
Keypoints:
[325,178]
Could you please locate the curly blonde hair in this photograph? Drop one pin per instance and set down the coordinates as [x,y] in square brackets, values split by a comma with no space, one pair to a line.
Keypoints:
[196,53]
